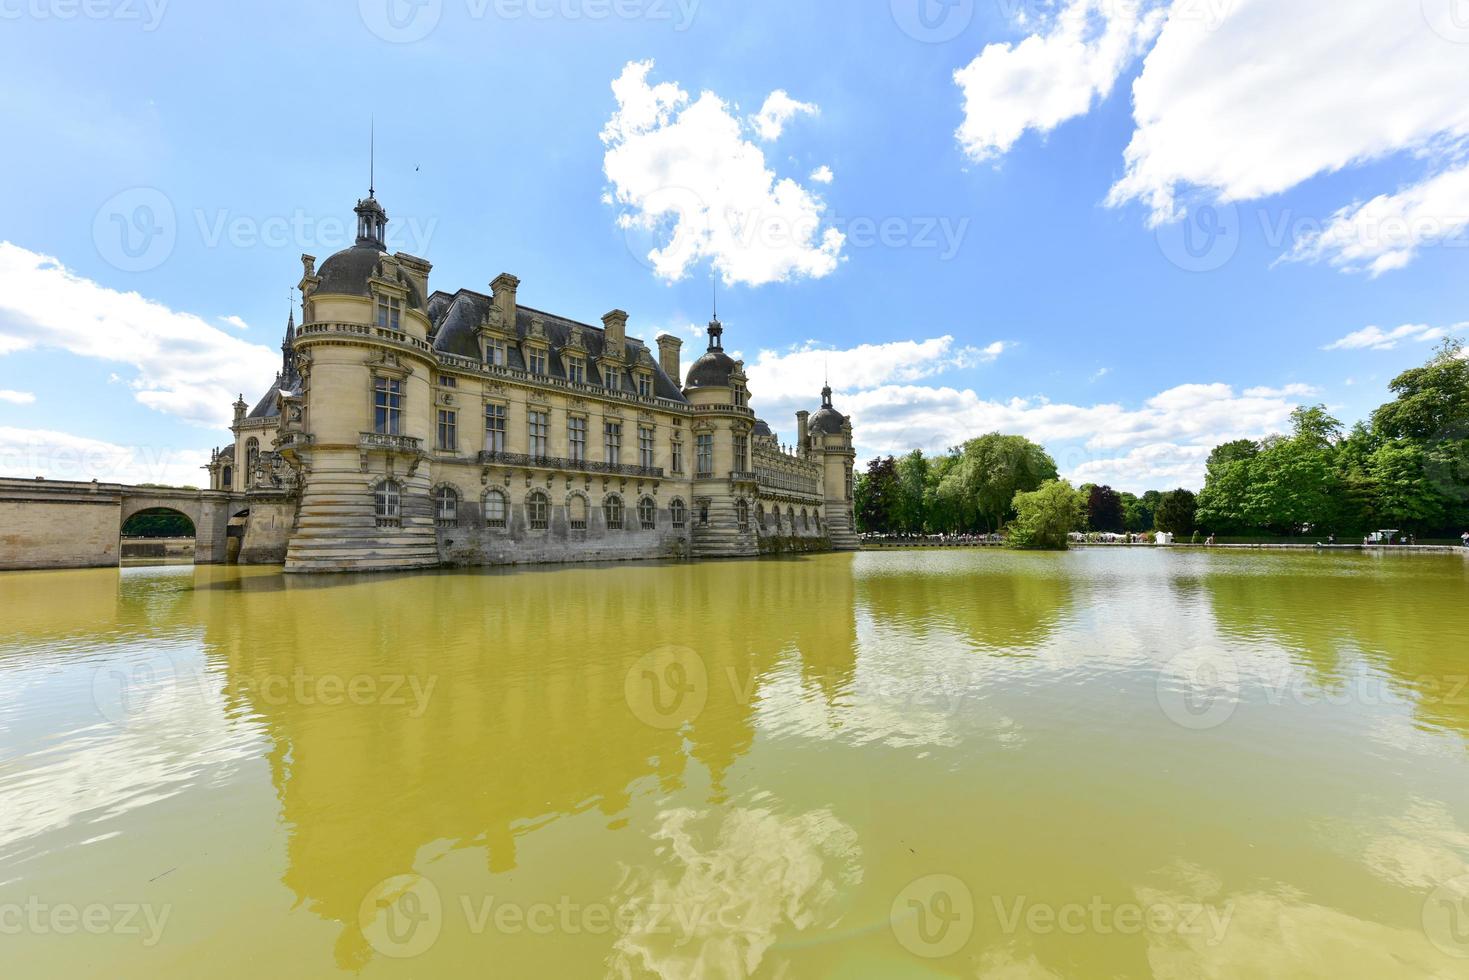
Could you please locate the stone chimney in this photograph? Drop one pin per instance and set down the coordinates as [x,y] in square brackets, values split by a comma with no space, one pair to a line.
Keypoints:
[616,325]
[803,426]
[668,351]
[502,294]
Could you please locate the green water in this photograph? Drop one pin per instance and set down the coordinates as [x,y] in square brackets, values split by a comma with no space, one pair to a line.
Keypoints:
[1110,763]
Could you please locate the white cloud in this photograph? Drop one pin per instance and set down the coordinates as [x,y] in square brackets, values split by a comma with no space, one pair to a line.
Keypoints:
[1274,93]
[1052,76]
[63,456]
[184,366]
[1161,444]
[779,109]
[823,175]
[236,322]
[1375,338]
[1101,373]
[1387,232]
[17,397]
[684,170]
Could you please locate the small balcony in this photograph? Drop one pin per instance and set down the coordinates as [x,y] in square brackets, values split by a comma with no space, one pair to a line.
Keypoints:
[389,443]
[293,441]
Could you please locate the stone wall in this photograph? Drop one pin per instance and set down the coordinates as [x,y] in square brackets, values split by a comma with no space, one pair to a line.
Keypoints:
[70,531]
[268,530]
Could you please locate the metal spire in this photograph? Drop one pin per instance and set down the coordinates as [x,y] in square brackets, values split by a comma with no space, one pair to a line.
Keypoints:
[371,155]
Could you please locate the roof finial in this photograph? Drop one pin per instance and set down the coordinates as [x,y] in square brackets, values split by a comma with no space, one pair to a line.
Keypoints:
[372,155]
[714,288]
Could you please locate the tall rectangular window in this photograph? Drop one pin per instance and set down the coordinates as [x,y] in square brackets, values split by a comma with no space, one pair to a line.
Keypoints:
[494,428]
[448,435]
[645,385]
[540,434]
[576,370]
[677,456]
[612,443]
[645,447]
[389,312]
[704,458]
[387,406]
[576,435]
[612,378]
[739,395]
[495,353]
[742,453]
[537,361]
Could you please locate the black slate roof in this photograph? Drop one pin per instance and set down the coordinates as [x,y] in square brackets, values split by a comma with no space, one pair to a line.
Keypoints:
[348,271]
[461,314]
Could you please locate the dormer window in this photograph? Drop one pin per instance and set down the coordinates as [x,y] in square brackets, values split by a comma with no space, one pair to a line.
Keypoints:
[645,385]
[537,360]
[612,378]
[576,370]
[739,395]
[389,312]
[495,353]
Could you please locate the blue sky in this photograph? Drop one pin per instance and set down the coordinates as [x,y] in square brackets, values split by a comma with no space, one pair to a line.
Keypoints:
[1129,229]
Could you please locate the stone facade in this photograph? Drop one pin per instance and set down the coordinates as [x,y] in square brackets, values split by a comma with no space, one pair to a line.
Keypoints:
[412,429]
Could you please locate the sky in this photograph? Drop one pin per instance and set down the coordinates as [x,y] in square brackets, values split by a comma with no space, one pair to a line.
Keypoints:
[1127,229]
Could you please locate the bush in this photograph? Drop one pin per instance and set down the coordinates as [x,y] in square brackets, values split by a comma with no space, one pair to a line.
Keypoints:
[1046,516]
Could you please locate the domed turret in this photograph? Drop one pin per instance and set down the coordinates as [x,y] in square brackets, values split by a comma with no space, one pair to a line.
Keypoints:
[828,421]
[348,271]
[714,369]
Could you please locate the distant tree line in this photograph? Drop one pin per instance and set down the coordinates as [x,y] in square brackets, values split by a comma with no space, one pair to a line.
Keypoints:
[158,523]
[1406,468]
[979,488]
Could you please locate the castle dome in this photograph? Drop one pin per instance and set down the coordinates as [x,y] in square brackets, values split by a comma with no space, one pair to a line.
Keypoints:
[714,368]
[828,420]
[347,272]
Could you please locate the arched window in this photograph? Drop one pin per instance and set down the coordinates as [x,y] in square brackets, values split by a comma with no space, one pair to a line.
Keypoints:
[576,510]
[227,479]
[494,509]
[252,456]
[760,515]
[678,513]
[446,507]
[612,511]
[805,519]
[538,510]
[703,513]
[818,519]
[742,513]
[647,513]
[388,504]
[791,518]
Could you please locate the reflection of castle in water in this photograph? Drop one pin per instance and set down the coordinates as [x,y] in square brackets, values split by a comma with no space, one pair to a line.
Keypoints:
[527,722]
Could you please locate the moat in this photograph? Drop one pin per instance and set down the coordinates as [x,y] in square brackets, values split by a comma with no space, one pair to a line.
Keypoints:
[896,764]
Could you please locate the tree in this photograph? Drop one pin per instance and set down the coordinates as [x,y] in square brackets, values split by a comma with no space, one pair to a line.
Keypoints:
[1104,510]
[878,499]
[1044,517]
[1137,516]
[909,511]
[989,472]
[1176,511]
[1432,401]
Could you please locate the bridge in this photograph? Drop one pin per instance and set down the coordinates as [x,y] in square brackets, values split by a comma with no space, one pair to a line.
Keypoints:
[62,524]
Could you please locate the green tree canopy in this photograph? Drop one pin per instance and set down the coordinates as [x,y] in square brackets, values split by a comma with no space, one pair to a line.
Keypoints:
[1045,516]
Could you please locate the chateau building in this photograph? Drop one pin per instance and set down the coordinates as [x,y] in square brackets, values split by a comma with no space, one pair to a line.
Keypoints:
[411,429]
